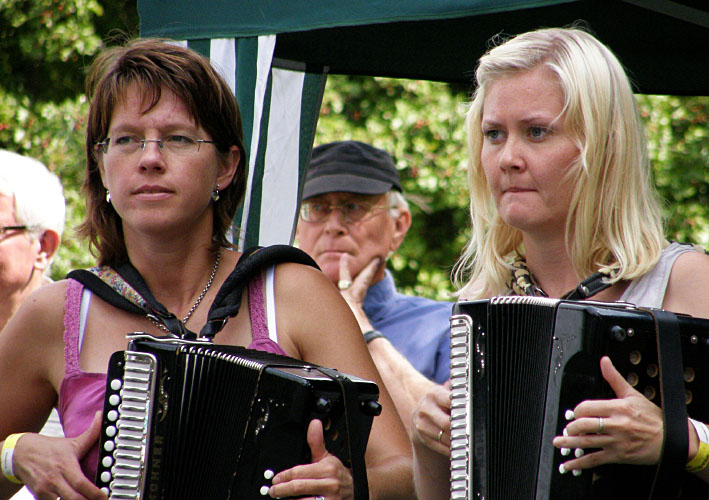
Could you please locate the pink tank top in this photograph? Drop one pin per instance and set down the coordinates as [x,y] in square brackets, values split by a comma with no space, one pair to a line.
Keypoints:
[81,394]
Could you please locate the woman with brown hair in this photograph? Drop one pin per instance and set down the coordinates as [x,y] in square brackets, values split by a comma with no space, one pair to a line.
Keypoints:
[166,169]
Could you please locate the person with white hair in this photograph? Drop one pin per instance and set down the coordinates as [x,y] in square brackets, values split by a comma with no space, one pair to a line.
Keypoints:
[32,211]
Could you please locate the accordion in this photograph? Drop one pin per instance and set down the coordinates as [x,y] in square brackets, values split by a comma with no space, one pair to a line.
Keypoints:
[194,420]
[518,363]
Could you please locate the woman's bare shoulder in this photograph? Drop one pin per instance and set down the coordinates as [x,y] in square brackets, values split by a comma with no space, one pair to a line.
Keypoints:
[42,311]
[302,280]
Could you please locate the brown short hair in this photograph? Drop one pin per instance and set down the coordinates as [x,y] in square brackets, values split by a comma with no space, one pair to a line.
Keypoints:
[152,65]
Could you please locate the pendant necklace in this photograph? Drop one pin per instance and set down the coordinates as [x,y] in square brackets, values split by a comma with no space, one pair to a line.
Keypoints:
[199,299]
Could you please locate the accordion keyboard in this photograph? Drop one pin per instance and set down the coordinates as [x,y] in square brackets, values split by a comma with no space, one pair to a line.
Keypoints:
[125,442]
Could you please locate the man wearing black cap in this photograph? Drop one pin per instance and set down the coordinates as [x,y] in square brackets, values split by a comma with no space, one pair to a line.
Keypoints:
[353,218]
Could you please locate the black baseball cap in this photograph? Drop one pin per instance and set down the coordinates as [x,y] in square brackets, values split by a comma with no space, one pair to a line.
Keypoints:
[350,167]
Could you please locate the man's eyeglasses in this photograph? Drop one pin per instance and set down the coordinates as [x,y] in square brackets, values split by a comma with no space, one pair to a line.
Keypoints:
[5,229]
[128,145]
[352,211]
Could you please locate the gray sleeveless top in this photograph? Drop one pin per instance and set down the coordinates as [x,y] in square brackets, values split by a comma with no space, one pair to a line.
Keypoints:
[649,291]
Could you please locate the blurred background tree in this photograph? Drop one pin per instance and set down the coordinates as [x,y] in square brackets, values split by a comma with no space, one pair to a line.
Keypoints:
[45,46]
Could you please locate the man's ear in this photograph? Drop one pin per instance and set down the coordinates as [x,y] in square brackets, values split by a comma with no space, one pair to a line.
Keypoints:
[48,246]
[402,223]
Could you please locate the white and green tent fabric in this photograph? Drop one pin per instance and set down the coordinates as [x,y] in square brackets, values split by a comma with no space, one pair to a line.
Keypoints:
[276,55]
[279,103]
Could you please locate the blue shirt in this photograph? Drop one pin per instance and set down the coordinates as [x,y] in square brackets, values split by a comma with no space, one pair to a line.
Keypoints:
[419,328]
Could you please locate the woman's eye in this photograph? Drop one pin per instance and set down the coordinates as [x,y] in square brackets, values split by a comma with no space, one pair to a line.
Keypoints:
[537,132]
[180,139]
[492,134]
[125,139]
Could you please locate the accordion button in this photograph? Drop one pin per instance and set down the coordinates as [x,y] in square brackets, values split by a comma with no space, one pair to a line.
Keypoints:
[116,384]
[107,491]
[107,461]
[111,431]
[264,490]
[105,476]
[109,446]
[323,405]
[114,399]
[112,415]
[268,474]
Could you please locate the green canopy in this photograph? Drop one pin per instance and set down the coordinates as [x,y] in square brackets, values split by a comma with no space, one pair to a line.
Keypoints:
[276,53]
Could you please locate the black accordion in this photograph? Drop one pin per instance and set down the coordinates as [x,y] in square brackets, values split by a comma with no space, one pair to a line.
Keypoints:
[518,363]
[195,420]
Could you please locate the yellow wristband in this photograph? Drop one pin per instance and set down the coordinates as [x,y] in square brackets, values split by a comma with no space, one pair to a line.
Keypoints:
[701,459]
[8,449]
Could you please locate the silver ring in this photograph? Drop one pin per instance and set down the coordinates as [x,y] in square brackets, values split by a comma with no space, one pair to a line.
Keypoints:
[342,285]
[600,425]
[319,497]
[440,435]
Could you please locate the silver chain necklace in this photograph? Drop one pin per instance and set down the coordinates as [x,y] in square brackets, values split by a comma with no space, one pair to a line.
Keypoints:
[199,299]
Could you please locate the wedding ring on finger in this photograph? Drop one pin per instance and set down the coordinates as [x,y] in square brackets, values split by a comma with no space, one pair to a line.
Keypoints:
[344,284]
[440,436]
[600,425]
[319,497]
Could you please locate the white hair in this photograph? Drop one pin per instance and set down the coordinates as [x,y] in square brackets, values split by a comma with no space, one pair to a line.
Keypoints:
[397,203]
[37,193]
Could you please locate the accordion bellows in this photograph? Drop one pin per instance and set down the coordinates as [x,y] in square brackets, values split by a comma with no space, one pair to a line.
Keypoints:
[195,420]
[518,363]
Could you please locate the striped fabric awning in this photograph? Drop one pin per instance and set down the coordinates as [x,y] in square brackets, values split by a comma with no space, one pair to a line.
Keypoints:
[254,43]
[279,102]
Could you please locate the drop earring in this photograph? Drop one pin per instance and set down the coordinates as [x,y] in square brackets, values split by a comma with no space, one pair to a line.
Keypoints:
[108,196]
[215,194]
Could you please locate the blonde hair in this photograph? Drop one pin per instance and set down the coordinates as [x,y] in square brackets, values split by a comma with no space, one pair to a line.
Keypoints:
[614,218]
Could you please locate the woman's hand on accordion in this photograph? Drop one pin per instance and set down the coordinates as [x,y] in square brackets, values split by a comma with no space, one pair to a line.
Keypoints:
[325,477]
[628,429]
[49,466]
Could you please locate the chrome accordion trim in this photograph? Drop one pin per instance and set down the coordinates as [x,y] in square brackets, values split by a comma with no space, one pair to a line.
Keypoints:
[461,462]
[133,426]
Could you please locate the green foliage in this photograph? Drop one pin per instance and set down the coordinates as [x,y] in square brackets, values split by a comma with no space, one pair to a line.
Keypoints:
[678,140]
[45,46]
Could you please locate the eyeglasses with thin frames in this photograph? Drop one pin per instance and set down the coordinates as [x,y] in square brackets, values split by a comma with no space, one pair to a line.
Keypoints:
[128,145]
[5,229]
[352,211]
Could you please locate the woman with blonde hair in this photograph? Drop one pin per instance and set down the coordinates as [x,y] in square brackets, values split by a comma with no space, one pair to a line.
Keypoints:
[561,193]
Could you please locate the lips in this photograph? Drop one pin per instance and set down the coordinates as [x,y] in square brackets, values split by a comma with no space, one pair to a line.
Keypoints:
[150,189]
[151,193]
